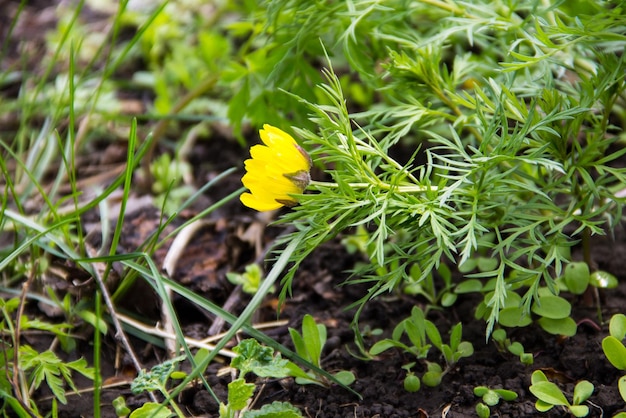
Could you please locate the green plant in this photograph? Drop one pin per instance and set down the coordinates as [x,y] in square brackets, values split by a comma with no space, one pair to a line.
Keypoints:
[417,328]
[615,350]
[309,346]
[169,182]
[250,279]
[254,358]
[553,311]
[157,380]
[550,395]
[25,369]
[514,347]
[491,397]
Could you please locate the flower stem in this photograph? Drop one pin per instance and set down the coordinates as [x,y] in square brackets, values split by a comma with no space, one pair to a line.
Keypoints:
[384,186]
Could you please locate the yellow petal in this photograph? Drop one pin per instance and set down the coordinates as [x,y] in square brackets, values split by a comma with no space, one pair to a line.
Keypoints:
[277,169]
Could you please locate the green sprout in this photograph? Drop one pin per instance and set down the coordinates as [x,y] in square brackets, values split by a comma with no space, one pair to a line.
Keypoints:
[417,328]
[514,347]
[250,280]
[615,350]
[309,346]
[252,357]
[491,397]
[550,395]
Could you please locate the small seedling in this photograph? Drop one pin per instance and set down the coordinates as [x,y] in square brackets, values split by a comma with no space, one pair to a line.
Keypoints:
[505,344]
[250,280]
[156,379]
[417,328]
[614,349]
[491,397]
[252,357]
[577,278]
[550,395]
[309,345]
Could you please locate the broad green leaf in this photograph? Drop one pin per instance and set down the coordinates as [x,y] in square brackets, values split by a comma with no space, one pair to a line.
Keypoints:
[448,299]
[491,398]
[549,393]
[386,344]
[538,376]
[514,317]
[554,307]
[152,410]
[481,390]
[542,406]
[455,336]
[258,359]
[582,391]
[507,395]
[579,410]
[603,280]
[621,385]
[576,277]
[468,286]
[433,334]
[239,392]
[617,326]
[274,410]
[312,339]
[345,377]
[615,352]
[564,326]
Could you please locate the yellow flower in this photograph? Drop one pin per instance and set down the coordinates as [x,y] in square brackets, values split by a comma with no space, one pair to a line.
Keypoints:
[276,171]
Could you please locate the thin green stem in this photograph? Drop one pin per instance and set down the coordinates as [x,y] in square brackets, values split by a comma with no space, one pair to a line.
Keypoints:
[384,186]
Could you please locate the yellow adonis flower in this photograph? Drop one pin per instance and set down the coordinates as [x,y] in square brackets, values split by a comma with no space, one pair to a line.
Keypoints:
[276,171]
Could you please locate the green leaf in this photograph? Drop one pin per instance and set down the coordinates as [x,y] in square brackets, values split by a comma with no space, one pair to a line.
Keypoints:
[239,392]
[299,344]
[549,393]
[274,410]
[119,404]
[152,410]
[448,299]
[554,307]
[579,410]
[538,376]
[491,398]
[516,348]
[542,406]
[433,334]
[603,280]
[582,391]
[412,383]
[617,326]
[576,277]
[481,390]
[564,326]
[507,395]
[345,377]
[482,410]
[386,344]
[621,386]
[258,359]
[313,338]
[465,349]
[514,317]
[468,286]
[455,336]
[615,352]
